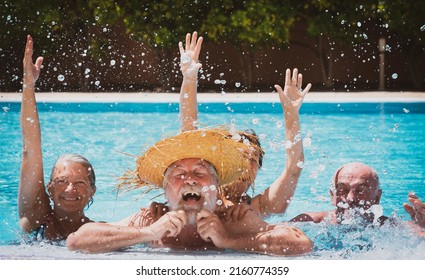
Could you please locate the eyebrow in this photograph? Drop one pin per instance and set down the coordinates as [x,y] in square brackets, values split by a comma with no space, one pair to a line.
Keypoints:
[198,164]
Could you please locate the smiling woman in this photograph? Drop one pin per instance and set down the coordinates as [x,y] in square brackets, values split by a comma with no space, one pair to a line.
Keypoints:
[72,181]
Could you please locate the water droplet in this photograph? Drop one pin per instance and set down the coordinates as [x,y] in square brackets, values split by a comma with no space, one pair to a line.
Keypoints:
[61,78]
[236,137]
[307,142]
[423,27]
[359,24]
[97,83]
[300,164]
[406,110]
[394,76]
[279,124]
[237,84]
[217,82]
[112,62]
[219,202]
[5,109]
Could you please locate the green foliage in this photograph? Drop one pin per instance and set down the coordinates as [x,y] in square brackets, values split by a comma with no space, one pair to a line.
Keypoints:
[406,19]
[250,23]
[343,21]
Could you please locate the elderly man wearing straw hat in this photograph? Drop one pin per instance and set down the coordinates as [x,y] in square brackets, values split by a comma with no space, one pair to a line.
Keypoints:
[190,166]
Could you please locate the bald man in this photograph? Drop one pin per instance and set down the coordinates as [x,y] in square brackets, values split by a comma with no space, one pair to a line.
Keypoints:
[355,193]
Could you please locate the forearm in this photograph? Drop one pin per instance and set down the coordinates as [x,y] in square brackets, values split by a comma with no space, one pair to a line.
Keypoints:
[33,202]
[30,123]
[98,237]
[188,104]
[278,241]
[294,147]
[277,197]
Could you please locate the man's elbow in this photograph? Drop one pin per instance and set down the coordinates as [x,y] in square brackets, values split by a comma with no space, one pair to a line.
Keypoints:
[75,241]
[72,242]
[305,244]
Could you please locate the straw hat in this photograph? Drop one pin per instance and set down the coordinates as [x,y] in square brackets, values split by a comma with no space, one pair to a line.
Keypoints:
[212,145]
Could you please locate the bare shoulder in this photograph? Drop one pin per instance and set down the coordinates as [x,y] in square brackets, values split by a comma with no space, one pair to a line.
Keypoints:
[315,217]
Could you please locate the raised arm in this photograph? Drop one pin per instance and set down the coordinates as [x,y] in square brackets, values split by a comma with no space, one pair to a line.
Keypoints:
[137,229]
[33,201]
[277,197]
[189,66]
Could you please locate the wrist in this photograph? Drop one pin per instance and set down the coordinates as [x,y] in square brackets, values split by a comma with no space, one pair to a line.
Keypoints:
[190,78]
[27,83]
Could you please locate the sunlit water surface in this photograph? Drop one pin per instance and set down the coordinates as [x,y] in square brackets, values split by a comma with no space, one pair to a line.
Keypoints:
[388,137]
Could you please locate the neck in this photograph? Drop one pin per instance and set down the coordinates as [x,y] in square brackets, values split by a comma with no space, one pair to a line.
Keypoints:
[69,222]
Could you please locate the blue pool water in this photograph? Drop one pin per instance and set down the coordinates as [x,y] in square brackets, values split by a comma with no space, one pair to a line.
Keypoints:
[387,136]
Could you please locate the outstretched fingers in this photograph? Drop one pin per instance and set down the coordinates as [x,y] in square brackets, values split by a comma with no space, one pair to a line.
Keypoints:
[197,49]
[187,45]
[193,41]
[294,77]
[181,48]
[306,89]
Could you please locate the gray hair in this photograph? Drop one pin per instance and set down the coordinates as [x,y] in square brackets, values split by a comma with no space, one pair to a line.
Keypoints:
[76,158]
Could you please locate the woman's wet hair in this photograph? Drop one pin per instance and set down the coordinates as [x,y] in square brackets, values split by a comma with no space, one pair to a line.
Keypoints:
[76,158]
[254,140]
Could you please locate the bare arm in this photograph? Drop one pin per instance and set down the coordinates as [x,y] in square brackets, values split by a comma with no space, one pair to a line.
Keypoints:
[189,66]
[33,202]
[277,197]
[246,235]
[106,237]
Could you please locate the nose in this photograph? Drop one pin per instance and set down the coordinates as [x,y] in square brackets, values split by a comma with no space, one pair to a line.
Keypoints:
[189,180]
[350,196]
[70,187]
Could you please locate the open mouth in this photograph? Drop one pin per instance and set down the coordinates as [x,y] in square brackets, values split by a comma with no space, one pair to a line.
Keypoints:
[191,196]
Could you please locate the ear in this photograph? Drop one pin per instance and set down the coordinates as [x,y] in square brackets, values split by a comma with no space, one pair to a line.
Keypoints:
[378,196]
[93,191]
[333,197]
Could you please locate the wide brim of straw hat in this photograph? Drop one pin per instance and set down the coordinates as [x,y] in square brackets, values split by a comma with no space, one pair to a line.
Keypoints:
[212,145]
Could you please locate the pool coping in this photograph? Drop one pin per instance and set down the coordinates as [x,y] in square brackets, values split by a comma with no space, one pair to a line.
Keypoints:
[143,97]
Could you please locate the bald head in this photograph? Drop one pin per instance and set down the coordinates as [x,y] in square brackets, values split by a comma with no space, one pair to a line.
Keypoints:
[357,185]
[358,170]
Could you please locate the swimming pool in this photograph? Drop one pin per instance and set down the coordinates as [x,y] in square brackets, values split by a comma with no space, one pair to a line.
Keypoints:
[387,136]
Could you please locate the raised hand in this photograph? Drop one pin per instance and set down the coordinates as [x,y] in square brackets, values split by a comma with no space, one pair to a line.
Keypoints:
[31,70]
[416,210]
[291,96]
[189,55]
